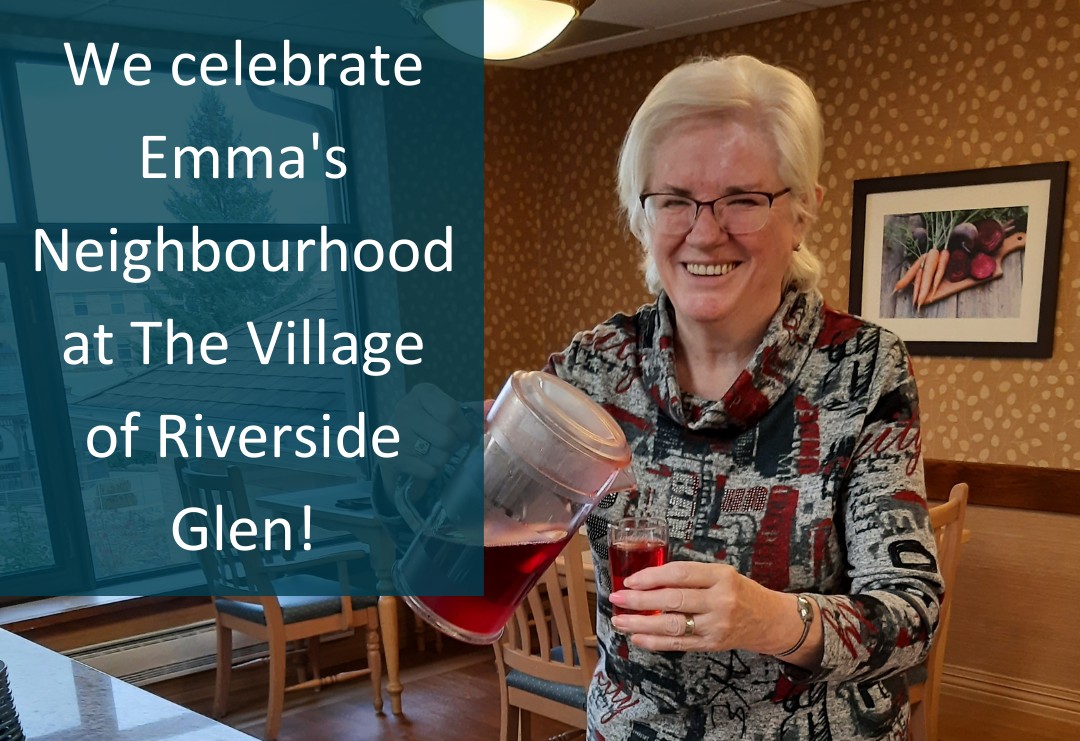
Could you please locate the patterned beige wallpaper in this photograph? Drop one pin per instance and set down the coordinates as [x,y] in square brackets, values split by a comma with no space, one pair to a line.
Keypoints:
[907,87]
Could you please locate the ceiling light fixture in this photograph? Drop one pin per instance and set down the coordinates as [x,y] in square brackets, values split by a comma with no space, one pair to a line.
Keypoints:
[512,28]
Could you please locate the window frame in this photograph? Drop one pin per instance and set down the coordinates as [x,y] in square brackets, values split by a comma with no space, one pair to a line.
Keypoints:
[36,327]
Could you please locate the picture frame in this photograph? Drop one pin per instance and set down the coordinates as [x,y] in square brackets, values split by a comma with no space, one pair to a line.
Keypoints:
[991,289]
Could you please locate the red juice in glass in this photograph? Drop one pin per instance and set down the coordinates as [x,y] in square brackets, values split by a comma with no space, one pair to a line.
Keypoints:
[634,544]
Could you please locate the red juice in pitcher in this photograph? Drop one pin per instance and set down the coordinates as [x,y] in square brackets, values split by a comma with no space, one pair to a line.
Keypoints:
[511,569]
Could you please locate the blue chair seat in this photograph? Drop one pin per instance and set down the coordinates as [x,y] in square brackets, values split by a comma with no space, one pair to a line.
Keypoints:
[567,694]
[296,609]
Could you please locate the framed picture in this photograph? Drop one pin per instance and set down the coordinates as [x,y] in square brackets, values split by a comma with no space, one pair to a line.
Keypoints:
[961,263]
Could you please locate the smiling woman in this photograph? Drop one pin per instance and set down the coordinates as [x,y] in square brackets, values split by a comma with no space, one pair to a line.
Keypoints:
[779,440]
[759,418]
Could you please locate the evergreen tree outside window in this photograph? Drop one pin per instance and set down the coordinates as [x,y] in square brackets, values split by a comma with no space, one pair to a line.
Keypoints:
[220,300]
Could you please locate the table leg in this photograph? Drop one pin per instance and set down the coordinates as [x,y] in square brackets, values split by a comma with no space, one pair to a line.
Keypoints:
[388,620]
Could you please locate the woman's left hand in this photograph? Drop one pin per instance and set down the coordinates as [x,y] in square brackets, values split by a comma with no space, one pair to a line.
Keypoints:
[728,610]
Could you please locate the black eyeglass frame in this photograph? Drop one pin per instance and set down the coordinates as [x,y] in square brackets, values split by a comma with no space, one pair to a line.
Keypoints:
[712,204]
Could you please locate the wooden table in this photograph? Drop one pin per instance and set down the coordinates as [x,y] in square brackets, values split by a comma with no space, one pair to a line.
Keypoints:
[59,699]
[364,525]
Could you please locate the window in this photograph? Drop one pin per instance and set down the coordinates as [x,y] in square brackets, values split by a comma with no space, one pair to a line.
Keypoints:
[128,502]
[101,523]
[25,542]
[7,202]
[102,130]
[123,352]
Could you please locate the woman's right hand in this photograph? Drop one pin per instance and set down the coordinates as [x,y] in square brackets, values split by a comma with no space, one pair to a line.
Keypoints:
[431,427]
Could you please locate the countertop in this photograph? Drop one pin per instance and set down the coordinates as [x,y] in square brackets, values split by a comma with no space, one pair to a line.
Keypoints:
[60,699]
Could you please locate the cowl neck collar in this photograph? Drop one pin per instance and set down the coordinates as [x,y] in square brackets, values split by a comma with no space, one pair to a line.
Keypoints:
[771,371]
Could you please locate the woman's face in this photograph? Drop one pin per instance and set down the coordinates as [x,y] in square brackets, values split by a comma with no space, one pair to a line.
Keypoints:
[704,159]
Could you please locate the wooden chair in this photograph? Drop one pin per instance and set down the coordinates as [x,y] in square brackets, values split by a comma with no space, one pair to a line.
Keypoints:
[253,609]
[924,681]
[547,655]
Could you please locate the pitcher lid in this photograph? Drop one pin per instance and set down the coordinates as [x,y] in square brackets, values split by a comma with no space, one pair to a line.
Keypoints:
[571,415]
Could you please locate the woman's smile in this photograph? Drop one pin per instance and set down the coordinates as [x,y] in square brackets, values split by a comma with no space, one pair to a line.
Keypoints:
[713,269]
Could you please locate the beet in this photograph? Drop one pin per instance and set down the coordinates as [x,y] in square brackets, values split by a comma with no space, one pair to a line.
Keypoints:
[991,235]
[959,267]
[982,266]
[920,236]
[963,237]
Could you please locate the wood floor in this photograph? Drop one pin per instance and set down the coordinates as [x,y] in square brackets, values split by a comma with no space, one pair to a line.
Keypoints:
[453,696]
[448,696]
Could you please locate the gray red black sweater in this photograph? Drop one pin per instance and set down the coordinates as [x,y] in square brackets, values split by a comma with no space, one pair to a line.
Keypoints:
[806,477]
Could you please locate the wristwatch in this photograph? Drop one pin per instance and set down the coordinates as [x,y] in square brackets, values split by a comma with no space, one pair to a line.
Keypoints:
[806,614]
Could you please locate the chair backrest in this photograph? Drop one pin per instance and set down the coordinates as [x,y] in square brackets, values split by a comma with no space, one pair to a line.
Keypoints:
[554,615]
[228,571]
[948,522]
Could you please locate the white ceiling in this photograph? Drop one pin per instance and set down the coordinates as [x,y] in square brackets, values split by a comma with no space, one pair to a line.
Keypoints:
[607,26]
[636,23]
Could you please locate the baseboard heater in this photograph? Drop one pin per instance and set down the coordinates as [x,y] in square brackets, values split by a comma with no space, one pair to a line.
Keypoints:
[165,654]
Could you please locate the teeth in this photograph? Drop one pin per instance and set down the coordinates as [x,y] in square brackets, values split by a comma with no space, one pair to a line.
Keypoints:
[698,269]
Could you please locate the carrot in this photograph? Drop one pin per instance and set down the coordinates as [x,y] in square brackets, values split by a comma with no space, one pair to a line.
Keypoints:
[918,279]
[928,273]
[908,277]
[939,274]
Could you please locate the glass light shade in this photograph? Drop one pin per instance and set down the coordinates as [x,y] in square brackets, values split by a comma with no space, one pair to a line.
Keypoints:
[512,28]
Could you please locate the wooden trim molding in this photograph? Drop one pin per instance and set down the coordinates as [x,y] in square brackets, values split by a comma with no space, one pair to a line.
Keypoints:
[1002,485]
[97,623]
[1012,695]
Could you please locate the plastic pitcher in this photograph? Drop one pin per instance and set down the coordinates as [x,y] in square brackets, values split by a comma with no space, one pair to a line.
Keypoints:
[549,454]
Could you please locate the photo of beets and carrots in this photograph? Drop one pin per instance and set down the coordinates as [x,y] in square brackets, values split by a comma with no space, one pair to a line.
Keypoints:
[946,252]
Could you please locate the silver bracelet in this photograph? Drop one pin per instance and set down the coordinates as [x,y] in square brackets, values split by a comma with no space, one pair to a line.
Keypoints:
[806,614]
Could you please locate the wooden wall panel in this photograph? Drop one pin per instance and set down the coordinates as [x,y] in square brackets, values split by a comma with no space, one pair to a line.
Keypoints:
[1003,485]
[1018,596]
[1010,665]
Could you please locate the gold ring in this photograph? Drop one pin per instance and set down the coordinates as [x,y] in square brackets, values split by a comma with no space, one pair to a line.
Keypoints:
[421,446]
[688,629]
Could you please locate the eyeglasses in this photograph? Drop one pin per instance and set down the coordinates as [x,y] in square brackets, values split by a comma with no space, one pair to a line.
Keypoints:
[738,213]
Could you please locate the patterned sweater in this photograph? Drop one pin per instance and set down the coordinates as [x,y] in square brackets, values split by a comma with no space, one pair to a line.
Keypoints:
[806,477]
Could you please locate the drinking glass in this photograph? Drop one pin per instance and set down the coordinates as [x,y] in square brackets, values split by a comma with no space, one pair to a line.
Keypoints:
[635,543]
